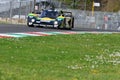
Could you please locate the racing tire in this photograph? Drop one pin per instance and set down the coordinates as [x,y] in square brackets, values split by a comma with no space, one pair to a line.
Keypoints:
[69,24]
[69,28]
[73,22]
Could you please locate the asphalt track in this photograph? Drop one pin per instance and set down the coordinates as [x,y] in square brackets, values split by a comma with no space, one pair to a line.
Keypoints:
[13,28]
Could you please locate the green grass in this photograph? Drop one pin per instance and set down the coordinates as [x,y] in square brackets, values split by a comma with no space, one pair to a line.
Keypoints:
[61,57]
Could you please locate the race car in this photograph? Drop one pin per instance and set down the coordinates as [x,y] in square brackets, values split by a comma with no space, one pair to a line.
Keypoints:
[51,18]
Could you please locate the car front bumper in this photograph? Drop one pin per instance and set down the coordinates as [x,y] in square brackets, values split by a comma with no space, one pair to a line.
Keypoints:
[44,23]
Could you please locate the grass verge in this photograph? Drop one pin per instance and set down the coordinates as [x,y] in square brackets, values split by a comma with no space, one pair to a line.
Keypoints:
[61,57]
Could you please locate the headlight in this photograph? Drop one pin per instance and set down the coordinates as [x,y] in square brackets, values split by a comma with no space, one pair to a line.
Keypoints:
[55,22]
[33,20]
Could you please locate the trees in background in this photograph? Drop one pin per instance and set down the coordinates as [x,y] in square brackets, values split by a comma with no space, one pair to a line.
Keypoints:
[106,5]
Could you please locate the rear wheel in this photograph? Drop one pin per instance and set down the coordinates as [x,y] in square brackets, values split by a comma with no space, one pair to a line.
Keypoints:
[73,22]
[68,23]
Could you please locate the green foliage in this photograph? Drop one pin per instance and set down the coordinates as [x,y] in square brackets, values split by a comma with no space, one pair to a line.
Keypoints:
[61,57]
[106,5]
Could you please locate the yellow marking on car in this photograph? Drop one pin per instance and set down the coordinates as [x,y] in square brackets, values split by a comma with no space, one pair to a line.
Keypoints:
[47,19]
[61,16]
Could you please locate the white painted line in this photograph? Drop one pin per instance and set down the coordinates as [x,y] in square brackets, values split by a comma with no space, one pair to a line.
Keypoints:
[26,34]
[6,35]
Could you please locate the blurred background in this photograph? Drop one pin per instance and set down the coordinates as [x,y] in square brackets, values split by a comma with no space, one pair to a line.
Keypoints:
[105,15]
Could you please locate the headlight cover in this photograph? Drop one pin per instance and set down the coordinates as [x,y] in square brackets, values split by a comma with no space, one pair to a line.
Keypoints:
[56,22]
[33,20]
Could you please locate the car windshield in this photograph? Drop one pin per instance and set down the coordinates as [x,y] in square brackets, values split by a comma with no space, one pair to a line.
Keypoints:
[50,14]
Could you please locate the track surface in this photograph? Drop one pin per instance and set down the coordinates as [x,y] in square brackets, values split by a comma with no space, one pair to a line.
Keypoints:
[11,28]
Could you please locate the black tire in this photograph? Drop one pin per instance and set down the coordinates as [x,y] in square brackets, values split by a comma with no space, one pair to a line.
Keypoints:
[64,23]
[73,22]
[69,24]
[68,28]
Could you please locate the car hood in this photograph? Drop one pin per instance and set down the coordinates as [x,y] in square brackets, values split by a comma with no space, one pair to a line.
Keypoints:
[46,19]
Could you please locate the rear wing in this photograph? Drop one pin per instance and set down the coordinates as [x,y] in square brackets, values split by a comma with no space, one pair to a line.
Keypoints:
[66,13]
